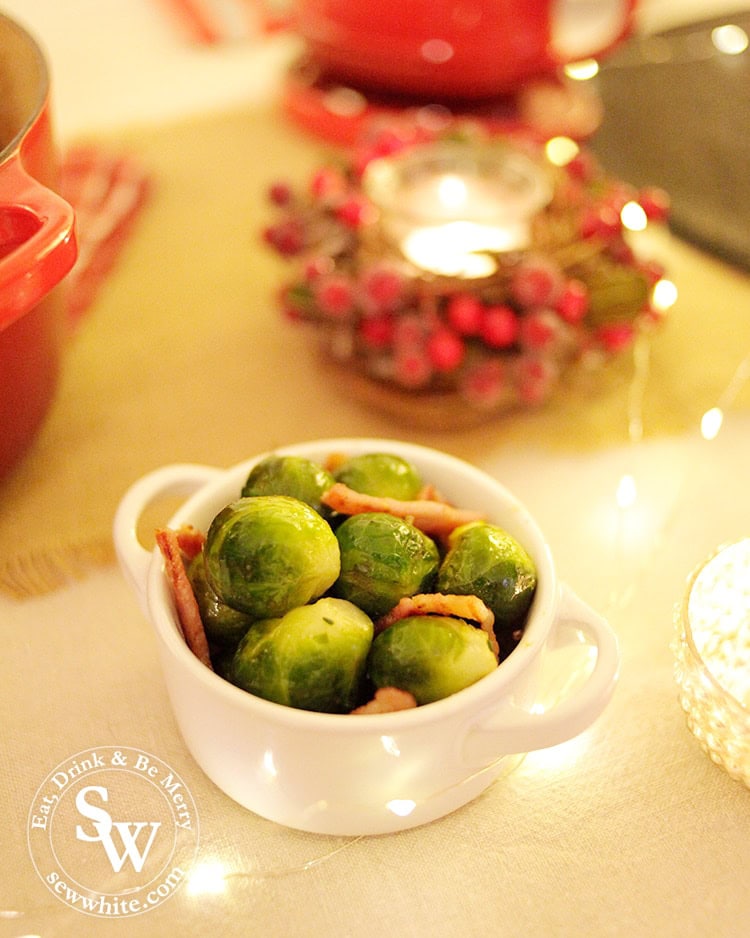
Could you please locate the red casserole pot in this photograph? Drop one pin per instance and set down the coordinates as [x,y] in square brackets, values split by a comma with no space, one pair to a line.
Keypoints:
[460,49]
[37,244]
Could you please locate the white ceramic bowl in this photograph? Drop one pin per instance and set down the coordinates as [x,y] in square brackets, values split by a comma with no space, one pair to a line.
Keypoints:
[342,774]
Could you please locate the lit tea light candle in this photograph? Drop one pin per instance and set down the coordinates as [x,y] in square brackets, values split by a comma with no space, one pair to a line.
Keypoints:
[713,657]
[449,207]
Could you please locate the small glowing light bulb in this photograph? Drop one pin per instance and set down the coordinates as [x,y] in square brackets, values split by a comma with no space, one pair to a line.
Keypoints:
[582,70]
[664,294]
[730,39]
[561,150]
[207,878]
[633,217]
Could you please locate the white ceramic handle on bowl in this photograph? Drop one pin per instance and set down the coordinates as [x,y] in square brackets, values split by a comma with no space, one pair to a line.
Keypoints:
[178,479]
[513,729]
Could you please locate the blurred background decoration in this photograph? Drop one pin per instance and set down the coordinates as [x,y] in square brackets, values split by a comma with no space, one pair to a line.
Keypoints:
[456,273]
[660,91]
[455,49]
[498,61]
[467,248]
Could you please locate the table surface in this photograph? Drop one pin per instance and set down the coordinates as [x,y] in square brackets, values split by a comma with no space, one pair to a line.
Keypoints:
[626,830]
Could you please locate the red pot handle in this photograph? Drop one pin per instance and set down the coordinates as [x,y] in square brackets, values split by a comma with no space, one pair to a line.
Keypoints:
[37,241]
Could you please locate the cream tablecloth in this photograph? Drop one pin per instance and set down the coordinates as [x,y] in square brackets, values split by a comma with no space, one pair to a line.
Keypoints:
[627,830]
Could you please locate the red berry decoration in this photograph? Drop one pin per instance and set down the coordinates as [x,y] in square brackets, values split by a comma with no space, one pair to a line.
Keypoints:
[655,203]
[387,143]
[327,184]
[616,336]
[485,384]
[582,167]
[619,250]
[537,281]
[500,326]
[412,367]
[280,194]
[335,295]
[377,331]
[535,380]
[354,212]
[445,350]
[465,313]
[409,331]
[619,196]
[537,329]
[287,237]
[383,287]
[316,267]
[601,222]
[573,303]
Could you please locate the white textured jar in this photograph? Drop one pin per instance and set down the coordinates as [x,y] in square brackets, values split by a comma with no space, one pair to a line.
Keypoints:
[712,652]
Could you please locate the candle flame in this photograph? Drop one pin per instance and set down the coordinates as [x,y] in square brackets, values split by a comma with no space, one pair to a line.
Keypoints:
[452,192]
[455,249]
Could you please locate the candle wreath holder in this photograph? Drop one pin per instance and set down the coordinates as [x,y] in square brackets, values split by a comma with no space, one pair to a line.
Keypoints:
[439,343]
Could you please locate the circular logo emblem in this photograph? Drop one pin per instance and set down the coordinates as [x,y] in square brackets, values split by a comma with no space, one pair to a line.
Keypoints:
[113,831]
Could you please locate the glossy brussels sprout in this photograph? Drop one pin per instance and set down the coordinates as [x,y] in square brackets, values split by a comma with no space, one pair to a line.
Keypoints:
[222,624]
[222,657]
[430,656]
[485,561]
[313,658]
[265,555]
[383,559]
[289,475]
[381,474]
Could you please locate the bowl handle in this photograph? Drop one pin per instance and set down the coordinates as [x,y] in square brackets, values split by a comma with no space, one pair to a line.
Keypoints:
[514,730]
[37,241]
[134,559]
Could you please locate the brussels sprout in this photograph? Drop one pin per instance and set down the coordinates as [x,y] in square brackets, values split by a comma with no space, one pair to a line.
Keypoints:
[221,659]
[266,554]
[313,658]
[430,656]
[381,474]
[223,625]
[485,561]
[289,475]
[383,558]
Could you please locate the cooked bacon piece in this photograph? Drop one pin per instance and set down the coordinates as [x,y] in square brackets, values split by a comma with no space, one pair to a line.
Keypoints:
[190,541]
[388,700]
[443,604]
[432,517]
[184,598]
